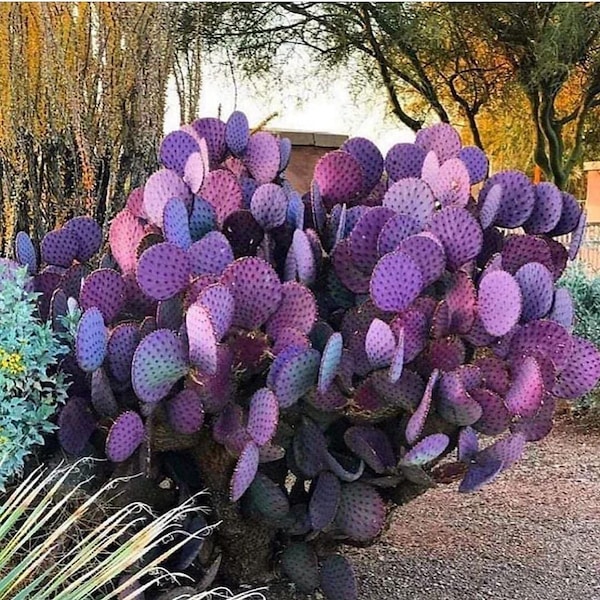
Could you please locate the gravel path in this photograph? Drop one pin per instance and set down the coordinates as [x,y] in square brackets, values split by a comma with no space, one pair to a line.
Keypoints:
[534,534]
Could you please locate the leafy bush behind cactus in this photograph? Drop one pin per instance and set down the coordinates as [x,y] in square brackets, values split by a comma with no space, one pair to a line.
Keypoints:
[31,389]
[584,287]
[312,359]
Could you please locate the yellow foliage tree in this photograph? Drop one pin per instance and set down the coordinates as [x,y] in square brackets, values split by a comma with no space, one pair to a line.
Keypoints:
[82,99]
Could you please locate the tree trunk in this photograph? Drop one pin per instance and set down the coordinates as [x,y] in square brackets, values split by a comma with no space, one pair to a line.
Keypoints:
[247,546]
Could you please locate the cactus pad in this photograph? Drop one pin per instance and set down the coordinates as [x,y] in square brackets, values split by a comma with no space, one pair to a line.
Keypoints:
[202,340]
[519,250]
[577,236]
[453,184]
[185,412]
[269,206]
[237,132]
[25,252]
[324,500]
[263,416]
[380,344]
[88,234]
[500,302]
[158,363]
[546,338]
[245,471]
[361,512]
[581,371]
[569,216]
[122,342]
[460,234]
[125,234]
[60,247]
[495,417]
[468,445]
[386,294]
[212,130]
[76,424]
[304,259]
[440,138]
[256,290]
[364,237]
[268,499]
[105,289]
[518,197]
[163,271]
[490,206]
[455,404]
[339,177]
[369,157]
[102,396]
[350,276]
[412,197]
[297,309]
[176,226]
[299,563]
[125,436]
[563,310]
[91,340]
[476,162]
[428,253]
[159,189]
[175,150]
[404,160]
[537,290]
[223,192]
[427,450]
[210,255]
[546,210]
[371,445]
[416,423]
[262,157]
[526,392]
[338,581]
[295,376]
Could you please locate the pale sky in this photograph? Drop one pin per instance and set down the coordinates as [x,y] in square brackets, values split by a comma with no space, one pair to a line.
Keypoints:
[326,108]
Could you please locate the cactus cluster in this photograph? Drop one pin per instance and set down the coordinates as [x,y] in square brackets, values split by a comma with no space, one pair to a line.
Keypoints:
[340,345]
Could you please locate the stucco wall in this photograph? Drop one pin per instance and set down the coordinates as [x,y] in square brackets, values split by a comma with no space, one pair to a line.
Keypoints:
[307,149]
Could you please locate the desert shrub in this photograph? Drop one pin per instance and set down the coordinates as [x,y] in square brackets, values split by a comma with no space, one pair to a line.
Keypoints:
[584,287]
[45,553]
[31,387]
[311,359]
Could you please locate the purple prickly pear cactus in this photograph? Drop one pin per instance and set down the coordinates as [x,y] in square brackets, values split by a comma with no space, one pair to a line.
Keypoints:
[311,355]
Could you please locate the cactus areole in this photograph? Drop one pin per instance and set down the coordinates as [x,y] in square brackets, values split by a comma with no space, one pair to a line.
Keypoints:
[315,360]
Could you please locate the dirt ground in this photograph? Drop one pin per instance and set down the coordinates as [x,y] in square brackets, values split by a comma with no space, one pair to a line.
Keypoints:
[533,534]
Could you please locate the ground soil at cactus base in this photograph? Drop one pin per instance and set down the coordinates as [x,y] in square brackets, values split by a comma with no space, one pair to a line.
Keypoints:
[532,535]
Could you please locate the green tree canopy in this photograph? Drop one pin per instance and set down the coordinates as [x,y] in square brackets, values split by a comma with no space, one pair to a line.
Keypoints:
[484,67]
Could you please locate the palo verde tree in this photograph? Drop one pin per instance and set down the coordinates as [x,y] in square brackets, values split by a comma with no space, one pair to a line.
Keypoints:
[472,66]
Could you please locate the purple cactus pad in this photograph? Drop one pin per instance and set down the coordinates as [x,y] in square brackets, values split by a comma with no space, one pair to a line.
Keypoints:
[476,162]
[256,290]
[338,581]
[440,138]
[269,206]
[76,424]
[324,500]
[412,197]
[91,340]
[460,234]
[202,340]
[404,160]
[159,189]
[263,416]
[185,412]
[500,302]
[339,177]
[245,471]
[262,157]
[158,363]
[547,209]
[415,425]
[124,437]
[223,192]
[361,512]
[386,291]
[59,247]
[369,157]
[537,290]
[163,271]
[427,450]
